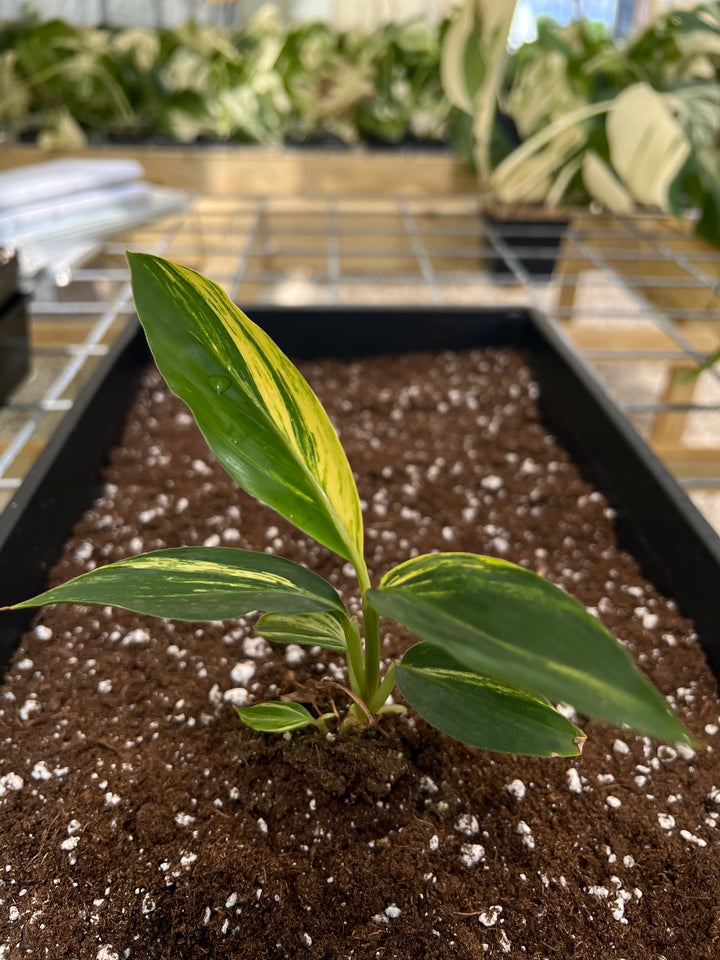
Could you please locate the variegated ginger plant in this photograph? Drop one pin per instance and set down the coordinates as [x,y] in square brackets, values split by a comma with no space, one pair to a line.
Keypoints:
[497,643]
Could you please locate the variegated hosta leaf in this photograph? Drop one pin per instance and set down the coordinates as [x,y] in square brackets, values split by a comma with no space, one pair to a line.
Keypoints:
[259,416]
[480,711]
[648,146]
[323,629]
[275,716]
[507,623]
[199,583]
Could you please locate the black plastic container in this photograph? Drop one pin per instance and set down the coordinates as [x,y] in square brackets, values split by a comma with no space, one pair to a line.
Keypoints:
[655,520]
[535,242]
[14,346]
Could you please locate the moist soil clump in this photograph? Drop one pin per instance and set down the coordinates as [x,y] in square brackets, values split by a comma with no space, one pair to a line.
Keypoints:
[139,820]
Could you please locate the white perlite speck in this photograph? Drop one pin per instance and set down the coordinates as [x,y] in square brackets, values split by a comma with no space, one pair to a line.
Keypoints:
[428,785]
[489,917]
[10,781]
[184,819]
[526,833]
[491,482]
[237,696]
[516,789]
[242,673]
[255,647]
[686,835]
[294,654]
[467,824]
[104,686]
[307,940]
[619,746]
[70,843]
[471,853]
[30,707]
[392,912]
[41,771]
[42,632]
[434,843]
[106,952]
[613,802]
[666,821]
[573,781]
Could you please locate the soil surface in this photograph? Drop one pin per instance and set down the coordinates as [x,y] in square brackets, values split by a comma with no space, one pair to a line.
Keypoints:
[138,820]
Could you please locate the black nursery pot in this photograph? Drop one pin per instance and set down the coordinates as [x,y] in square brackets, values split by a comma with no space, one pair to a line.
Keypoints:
[14,349]
[655,521]
[535,242]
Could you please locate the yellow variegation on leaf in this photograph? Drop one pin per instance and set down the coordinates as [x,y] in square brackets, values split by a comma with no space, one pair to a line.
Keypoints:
[259,416]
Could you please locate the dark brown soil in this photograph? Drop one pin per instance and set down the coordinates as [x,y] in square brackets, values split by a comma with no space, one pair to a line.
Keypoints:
[140,821]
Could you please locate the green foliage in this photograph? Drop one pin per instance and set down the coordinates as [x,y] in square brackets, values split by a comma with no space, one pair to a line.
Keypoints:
[496,642]
[260,83]
[624,125]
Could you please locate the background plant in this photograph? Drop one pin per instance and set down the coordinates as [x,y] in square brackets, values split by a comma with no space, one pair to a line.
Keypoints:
[624,124]
[496,643]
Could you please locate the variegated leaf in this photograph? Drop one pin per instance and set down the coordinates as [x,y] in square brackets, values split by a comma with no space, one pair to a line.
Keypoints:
[199,583]
[259,416]
[321,629]
[505,622]
[480,711]
[276,716]
[648,146]
[603,186]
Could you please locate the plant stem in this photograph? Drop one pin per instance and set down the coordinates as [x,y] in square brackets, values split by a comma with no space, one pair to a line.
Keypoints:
[371,622]
[384,690]
[372,651]
[356,668]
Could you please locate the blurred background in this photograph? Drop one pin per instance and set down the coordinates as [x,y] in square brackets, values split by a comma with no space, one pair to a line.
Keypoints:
[558,156]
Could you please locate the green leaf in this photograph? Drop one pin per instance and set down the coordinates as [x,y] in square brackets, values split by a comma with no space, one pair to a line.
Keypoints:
[480,711]
[259,416]
[277,717]
[199,583]
[323,629]
[505,622]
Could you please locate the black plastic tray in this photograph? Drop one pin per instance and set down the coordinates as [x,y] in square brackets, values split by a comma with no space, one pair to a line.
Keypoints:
[14,344]
[8,275]
[656,522]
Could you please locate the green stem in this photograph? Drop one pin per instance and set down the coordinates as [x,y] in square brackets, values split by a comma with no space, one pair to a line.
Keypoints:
[371,621]
[320,722]
[372,651]
[384,690]
[356,669]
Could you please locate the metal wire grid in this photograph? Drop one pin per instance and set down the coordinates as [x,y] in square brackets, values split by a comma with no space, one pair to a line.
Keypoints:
[638,297]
